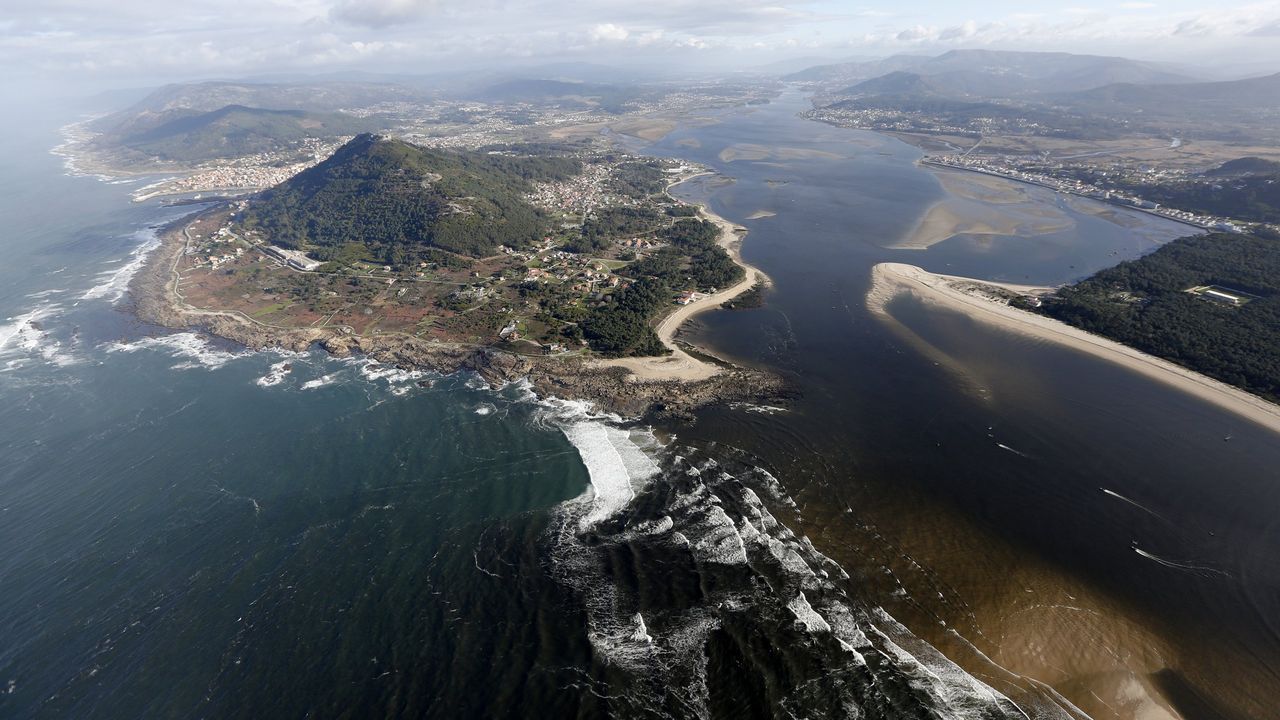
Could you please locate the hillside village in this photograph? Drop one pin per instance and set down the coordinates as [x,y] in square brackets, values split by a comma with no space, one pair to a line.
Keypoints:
[529,299]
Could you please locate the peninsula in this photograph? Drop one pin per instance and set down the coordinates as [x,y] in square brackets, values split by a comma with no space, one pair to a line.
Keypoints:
[574,270]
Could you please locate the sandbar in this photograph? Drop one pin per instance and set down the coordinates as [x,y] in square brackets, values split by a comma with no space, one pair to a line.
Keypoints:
[966,295]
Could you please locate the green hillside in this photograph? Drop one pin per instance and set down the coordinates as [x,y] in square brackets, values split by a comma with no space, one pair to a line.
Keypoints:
[1144,303]
[396,202]
[236,130]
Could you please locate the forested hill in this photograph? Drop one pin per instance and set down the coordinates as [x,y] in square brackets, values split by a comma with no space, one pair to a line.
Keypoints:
[236,130]
[1144,303]
[395,202]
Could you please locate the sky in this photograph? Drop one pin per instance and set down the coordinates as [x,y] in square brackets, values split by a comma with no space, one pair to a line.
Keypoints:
[116,43]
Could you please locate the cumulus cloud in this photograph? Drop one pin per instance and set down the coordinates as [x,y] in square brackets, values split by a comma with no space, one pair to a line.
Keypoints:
[608,31]
[966,30]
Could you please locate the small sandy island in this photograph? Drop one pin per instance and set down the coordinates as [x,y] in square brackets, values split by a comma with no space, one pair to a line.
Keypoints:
[967,210]
[988,303]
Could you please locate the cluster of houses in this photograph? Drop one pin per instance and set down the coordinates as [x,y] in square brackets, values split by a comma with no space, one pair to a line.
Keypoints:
[578,195]
[214,259]
[1037,175]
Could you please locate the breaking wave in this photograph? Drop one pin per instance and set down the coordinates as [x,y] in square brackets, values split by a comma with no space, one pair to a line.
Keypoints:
[114,283]
[191,349]
[689,582]
[23,337]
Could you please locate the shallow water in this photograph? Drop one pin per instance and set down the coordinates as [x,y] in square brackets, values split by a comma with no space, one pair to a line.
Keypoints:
[968,448]
[192,529]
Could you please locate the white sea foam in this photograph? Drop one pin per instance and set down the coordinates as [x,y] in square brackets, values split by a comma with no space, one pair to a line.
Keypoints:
[807,616]
[279,371]
[617,465]
[114,283]
[193,350]
[373,370]
[22,338]
[46,293]
[320,382]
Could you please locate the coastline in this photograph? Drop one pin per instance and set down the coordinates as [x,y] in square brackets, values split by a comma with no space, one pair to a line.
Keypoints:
[966,295]
[933,164]
[680,365]
[157,299]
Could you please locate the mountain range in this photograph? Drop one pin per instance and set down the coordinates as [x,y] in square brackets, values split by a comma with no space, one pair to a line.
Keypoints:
[996,73]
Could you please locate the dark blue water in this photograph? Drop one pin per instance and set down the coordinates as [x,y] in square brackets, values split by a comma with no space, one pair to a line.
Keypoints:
[195,530]
[941,439]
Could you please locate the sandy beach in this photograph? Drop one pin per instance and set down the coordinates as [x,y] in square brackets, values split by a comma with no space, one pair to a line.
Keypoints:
[680,365]
[889,280]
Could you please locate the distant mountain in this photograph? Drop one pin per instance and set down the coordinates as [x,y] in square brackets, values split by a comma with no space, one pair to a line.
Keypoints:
[997,73]
[236,130]
[1245,166]
[794,65]
[898,83]
[1252,102]
[397,203]
[561,93]
[847,72]
[173,102]
[1256,92]
[1067,71]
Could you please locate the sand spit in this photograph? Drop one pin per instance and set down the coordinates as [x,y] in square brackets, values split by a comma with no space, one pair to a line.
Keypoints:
[983,302]
[680,365]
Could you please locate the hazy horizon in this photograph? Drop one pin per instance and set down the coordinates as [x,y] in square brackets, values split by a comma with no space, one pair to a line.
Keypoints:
[79,44]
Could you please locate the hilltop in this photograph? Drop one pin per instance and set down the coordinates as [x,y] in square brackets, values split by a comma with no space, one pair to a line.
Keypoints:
[237,130]
[394,202]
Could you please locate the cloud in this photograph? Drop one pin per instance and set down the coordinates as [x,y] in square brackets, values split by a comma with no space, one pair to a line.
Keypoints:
[966,30]
[381,13]
[162,39]
[917,33]
[1271,29]
[608,31]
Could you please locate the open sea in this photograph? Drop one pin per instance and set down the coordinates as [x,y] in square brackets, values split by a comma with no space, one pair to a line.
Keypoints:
[946,521]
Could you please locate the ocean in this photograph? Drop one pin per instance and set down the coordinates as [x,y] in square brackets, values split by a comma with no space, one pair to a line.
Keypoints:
[193,529]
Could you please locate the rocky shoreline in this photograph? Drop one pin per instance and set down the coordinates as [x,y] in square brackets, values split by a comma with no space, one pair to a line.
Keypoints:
[609,389]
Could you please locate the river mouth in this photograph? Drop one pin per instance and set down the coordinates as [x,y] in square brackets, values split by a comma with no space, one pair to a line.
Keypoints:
[198,529]
[980,470]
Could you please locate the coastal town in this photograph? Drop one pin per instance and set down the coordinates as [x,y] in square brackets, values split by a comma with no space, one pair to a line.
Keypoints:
[1065,178]
[527,300]
[242,175]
